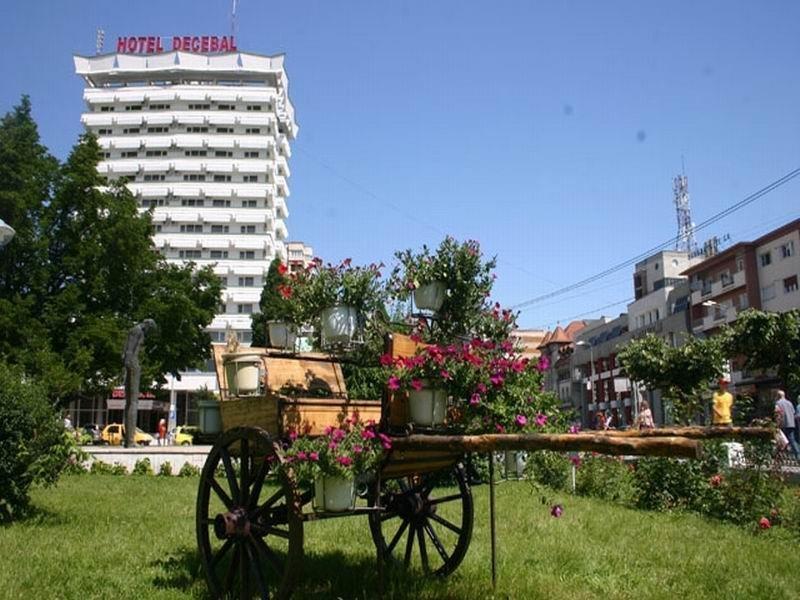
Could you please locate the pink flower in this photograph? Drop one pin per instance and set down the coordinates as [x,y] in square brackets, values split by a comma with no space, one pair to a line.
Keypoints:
[497,379]
[358,449]
[445,374]
[293,435]
[416,384]
[557,510]
[386,441]
[575,460]
[475,399]
[314,456]
[715,480]
[345,461]
[521,420]
[541,420]
[394,383]
[500,428]
[338,435]
[386,360]
[482,389]
[368,434]
[301,455]
[764,523]
[333,445]
[574,428]
[543,364]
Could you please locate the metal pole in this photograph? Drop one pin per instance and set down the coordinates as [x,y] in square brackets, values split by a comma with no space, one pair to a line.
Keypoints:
[492,521]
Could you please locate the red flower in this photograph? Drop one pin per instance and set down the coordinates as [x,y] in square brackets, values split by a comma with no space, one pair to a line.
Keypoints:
[386,360]
[715,481]
[285,291]
[764,523]
[282,268]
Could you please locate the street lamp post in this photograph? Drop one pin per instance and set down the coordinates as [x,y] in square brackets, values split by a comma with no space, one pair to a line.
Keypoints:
[591,358]
[6,233]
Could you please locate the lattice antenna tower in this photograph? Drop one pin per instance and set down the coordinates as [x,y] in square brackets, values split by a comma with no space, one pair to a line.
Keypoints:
[685,240]
[99,41]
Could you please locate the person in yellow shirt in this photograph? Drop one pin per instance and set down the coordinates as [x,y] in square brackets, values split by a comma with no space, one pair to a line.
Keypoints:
[722,404]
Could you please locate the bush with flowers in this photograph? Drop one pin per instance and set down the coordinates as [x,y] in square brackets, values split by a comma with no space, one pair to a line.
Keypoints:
[278,302]
[348,451]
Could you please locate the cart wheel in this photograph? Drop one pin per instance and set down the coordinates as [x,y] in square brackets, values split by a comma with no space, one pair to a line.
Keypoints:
[249,528]
[438,523]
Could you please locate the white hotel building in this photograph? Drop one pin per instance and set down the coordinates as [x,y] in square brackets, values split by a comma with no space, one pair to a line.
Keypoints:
[204,140]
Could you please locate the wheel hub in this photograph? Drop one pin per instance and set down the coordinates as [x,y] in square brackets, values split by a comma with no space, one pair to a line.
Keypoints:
[232,524]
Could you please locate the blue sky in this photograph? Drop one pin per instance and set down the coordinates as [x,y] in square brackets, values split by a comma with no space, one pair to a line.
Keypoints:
[549,131]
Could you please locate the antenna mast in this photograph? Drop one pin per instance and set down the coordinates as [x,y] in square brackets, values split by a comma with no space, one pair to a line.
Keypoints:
[685,239]
[99,41]
[234,3]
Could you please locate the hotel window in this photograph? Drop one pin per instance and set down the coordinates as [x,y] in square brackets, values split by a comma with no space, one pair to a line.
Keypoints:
[223,153]
[768,292]
[220,203]
[190,254]
[253,107]
[249,203]
[744,301]
[131,130]
[739,264]
[251,154]
[194,177]
[106,154]
[192,202]
[130,154]
[226,107]
[726,278]
[158,228]
[105,131]
[159,107]
[244,309]
[199,107]
[197,129]
[133,107]
[218,254]
[154,177]
[766,259]
[224,129]
[191,229]
[222,178]
[253,130]
[787,249]
[157,129]
[790,284]
[219,229]
[217,336]
[250,179]
[246,282]
[195,153]
[106,109]
[152,153]
[246,337]
[248,229]
[247,255]
[153,202]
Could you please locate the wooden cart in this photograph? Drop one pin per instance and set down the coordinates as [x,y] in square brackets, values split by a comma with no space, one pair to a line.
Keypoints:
[419,504]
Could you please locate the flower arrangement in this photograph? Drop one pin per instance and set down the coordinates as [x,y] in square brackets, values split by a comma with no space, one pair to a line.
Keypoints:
[319,287]
[348,451]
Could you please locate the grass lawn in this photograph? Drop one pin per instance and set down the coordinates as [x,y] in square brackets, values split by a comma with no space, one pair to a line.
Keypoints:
[97,536]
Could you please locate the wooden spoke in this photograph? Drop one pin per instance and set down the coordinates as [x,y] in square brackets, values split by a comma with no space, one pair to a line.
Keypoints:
[230,474]
[222,551]
[444,499]
[423,550]
[244,472]
[267,553]
[232,567]
[388,515]
[437,543]
[396,537]
[258,483]
[244,572]
[281,533]
[409,546]
[249,547]
[265,508]
[445,523]
[226,500]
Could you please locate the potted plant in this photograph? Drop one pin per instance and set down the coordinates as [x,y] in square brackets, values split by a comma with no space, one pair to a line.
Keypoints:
[279,316]
[339,298]
[424,276]
[334,461]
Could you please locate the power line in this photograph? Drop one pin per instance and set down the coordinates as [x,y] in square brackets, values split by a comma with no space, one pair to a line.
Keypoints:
[594,310]
[670,242]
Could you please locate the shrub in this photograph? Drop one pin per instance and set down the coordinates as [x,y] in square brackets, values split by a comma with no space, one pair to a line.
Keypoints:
[118,469]
[142,467]
[100,468]
[605,477]
[549,468]
[668,483]
[165,470]
[33,447]
[188,470]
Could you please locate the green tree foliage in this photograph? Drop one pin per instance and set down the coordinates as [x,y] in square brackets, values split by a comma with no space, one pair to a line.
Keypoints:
[682,374]
[271,303]
[768,341]
[83,270]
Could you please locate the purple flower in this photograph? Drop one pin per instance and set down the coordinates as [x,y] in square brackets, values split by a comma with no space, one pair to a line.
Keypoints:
[475,399]
[394,382]
[575,429]
[521,420]
[557,510]
[541,420]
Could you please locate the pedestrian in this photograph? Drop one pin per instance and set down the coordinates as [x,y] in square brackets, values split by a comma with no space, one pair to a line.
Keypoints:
[600,420]
[162,432]
[785,414]
[645,417]
[722,404]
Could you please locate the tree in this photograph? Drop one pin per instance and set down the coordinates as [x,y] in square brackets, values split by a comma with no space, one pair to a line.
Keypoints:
[769,341]
[682,374]
[270,304]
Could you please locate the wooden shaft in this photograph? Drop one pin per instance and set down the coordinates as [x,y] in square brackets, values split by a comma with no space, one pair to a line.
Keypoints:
[697,433]
[605,444]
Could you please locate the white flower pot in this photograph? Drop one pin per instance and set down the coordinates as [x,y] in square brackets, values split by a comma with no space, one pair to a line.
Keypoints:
[515,465]
[243,373]
[430,296]
[339,323]
[427,407]
[333,494]
[281,335]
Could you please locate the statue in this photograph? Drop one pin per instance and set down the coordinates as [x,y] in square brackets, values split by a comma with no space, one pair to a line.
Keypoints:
[133,373]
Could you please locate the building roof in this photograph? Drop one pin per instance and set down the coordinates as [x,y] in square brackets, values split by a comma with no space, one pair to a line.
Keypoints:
[545,340]
[559,337]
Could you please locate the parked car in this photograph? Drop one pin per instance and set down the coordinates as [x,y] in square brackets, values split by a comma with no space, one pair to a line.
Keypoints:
[114,434]
[184,435]
[91,429]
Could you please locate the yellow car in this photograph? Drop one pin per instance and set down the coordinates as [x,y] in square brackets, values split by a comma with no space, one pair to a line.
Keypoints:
[184,435]
[114,435]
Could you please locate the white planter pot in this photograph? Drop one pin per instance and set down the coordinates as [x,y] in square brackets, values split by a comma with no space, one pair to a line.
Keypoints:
[243,372]
[281,335]
[427,407]
[339,323]
[430,296]
[333,494]
[515,465]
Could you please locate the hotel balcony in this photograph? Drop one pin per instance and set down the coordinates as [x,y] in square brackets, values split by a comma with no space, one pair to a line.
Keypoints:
[715,317]
[718,288]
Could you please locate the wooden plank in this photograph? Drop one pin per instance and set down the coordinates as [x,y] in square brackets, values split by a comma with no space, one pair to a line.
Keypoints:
[310,416]
[251,411]
[400,346]
[307,375]
[696,433]
[655,446]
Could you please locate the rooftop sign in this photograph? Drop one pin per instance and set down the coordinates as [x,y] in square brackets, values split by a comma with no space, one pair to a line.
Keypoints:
[153,44]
